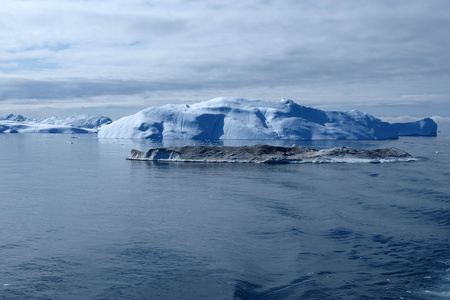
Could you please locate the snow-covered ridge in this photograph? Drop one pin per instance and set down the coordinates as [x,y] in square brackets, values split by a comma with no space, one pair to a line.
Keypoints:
[237,118]
[13,117]
[269,154]
[11,123]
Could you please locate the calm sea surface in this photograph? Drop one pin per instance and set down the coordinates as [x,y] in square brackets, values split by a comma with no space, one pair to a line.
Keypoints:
[78,221]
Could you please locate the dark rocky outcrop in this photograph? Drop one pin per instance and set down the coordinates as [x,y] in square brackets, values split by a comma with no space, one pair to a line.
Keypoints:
[268,154]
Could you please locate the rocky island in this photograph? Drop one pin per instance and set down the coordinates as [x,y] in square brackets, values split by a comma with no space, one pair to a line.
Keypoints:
[269,154]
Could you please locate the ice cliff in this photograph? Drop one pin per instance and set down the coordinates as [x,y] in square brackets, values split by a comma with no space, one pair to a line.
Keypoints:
[11,123]
[269,154]
[424,127]
[237,118]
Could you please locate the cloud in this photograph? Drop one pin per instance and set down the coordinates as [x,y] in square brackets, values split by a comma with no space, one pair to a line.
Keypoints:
[400,119]
[439,119]
[79,88]
[323,51]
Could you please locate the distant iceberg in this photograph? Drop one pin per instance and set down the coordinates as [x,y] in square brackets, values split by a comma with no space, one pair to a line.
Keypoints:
[424,127]
[11,123]
[242,119]
[78,121]
[13,117]
[269,154]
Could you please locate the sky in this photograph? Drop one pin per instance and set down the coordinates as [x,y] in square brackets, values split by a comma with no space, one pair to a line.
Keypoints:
[116,57]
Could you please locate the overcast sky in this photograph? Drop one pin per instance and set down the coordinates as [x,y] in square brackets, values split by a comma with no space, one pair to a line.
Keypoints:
[118,56]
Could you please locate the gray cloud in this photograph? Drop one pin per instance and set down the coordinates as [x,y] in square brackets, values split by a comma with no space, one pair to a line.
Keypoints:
[79,88]
[374,50]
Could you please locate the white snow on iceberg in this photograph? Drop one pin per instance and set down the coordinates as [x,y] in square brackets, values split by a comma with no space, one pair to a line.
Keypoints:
[11,123]
[237,118]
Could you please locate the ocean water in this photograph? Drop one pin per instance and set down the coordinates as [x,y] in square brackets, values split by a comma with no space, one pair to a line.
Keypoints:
[78,221]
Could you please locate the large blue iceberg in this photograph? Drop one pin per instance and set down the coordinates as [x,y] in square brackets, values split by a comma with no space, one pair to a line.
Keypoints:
[237,118]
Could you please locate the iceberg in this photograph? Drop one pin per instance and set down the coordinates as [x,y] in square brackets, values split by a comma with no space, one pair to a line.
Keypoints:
[242,119]
[11,123]
[269,154]
[424,127]
[79,121]
[13,117]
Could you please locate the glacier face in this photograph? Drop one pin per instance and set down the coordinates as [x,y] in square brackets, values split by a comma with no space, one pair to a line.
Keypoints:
[11,123]
[424,127]
[238,118]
